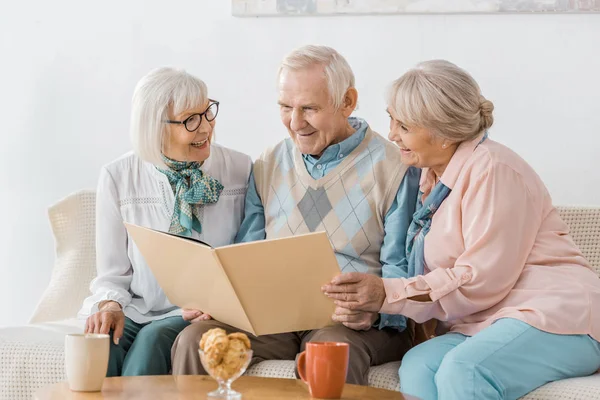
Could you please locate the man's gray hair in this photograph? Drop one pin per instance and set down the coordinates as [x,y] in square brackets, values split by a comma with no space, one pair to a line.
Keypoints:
[155,93]
[338,74]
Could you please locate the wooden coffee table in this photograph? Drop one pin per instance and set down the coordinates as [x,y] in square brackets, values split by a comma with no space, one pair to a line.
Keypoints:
[185,387]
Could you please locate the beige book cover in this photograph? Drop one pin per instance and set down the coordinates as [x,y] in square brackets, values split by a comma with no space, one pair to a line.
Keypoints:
[264,287]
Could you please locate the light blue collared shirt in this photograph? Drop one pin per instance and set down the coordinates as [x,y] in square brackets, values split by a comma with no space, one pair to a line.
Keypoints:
[396,222]
[335,154]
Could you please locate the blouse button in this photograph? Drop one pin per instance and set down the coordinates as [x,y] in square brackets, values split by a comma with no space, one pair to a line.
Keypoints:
[396,296]
[467,277]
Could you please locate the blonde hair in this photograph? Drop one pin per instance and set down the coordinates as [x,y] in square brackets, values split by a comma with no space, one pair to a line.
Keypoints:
[442,97]
[338,74]
[160,89]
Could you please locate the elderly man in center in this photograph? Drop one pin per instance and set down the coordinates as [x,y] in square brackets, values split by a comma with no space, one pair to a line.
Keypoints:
[332,174]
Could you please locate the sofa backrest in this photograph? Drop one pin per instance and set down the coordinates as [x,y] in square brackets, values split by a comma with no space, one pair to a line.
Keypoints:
[74,226]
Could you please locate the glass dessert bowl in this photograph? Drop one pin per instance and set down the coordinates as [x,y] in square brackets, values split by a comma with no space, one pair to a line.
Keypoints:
[226,370]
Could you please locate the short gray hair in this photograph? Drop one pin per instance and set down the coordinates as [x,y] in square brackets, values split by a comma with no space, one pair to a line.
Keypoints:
[441,96]
[160,89]
[338,74]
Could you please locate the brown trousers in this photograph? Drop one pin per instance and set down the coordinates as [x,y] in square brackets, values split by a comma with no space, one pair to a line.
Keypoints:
[367,348]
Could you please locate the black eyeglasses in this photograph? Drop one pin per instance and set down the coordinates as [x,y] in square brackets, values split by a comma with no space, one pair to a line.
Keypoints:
[192,122]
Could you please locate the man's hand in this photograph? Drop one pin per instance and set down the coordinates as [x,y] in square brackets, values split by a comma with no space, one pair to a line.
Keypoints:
[110,316]
[356,291]
[194,315]
[357,320]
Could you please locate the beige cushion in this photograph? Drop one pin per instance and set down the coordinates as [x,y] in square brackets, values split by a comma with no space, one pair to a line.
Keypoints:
[32,357]
[586,388]
[383,376]
[73,223]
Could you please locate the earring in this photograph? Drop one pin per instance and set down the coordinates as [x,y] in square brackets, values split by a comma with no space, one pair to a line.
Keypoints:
[444,145]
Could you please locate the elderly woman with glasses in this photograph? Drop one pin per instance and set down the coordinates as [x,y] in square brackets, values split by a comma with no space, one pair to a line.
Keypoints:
[176,180]
[489,258]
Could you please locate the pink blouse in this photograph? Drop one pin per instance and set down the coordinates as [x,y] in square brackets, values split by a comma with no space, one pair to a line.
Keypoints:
[498,248]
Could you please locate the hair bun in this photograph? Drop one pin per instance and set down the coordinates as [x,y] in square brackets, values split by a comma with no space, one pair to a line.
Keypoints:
[486,110]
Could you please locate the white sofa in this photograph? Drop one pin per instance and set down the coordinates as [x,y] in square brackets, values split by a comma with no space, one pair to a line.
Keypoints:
[32,356]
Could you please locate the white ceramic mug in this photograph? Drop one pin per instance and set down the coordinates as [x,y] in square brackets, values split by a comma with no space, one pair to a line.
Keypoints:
[86,360]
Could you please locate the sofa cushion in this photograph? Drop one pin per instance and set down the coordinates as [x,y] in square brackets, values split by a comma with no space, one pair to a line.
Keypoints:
[273,369]
[383,376]
[32,357]
[73,225]
[586,388]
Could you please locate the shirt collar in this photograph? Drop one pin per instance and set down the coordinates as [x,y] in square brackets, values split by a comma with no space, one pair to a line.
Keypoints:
[452,171]
[346,146]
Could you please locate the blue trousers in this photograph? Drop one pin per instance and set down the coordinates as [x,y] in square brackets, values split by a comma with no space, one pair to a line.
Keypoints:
[144,349]
[504,361]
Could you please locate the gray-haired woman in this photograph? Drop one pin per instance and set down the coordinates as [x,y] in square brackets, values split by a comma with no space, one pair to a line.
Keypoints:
[490,260]
[176,180]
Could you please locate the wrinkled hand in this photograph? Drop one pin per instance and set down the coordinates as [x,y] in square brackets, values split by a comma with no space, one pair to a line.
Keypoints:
[356,291]
[357,320]
[110,316]
[194,315]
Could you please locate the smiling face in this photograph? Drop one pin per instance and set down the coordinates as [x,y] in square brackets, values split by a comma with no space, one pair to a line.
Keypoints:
[182,145]
[419,147]
[307,111]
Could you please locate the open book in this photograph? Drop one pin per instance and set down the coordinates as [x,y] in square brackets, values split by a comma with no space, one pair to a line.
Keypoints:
[263,287]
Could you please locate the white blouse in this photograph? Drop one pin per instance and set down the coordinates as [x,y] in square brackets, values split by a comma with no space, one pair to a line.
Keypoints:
[134,191]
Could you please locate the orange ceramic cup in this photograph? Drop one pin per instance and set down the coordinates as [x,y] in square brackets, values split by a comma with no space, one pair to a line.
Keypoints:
[323,366]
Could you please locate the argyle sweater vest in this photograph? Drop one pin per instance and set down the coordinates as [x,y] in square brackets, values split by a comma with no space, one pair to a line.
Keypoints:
[349,203]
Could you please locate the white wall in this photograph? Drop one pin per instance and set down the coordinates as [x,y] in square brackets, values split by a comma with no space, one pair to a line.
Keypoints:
[68,69]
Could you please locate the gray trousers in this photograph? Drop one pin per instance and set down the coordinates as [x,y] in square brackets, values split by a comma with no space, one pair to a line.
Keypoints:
[367,348]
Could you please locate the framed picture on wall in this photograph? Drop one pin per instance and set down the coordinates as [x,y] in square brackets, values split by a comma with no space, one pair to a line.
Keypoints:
[256,8]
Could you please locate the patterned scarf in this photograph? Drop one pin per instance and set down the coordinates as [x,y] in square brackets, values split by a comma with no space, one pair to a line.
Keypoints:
[421,223]
[419,227]
[191,187]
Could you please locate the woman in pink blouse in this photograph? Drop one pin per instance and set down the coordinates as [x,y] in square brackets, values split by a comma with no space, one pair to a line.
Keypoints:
[495,264]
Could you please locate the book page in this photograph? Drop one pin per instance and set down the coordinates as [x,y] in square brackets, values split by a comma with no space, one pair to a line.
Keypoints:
[190,275]
[279,281]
